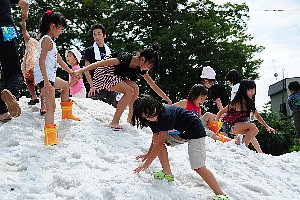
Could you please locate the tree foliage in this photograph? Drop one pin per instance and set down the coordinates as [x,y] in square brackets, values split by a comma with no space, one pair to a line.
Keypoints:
[191,35]
[282,141]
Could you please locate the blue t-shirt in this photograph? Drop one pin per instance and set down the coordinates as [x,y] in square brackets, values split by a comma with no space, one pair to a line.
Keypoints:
[294,102]
[176,118]
[5,12]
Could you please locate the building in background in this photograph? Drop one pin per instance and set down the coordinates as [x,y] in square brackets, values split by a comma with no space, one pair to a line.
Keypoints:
[279,93]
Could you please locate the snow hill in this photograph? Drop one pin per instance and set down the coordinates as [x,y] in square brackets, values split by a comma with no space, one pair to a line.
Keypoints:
[94,162]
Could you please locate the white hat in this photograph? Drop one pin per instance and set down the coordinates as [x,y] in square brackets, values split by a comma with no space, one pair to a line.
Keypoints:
[208,73]
[76,53]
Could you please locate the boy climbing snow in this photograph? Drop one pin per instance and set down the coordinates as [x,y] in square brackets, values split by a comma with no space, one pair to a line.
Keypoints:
[149,112]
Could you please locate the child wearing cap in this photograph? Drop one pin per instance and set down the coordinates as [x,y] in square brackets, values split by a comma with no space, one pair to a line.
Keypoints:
[77,88]
[217,95]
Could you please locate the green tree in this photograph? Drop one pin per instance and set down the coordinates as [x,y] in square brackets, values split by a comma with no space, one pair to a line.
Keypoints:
[191,35]
[282,141]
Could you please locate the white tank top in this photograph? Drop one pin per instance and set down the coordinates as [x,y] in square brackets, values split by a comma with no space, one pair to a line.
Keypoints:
[50,63]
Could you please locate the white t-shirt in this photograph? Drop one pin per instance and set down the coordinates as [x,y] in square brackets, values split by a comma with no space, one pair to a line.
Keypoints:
[234,90]
[50,63]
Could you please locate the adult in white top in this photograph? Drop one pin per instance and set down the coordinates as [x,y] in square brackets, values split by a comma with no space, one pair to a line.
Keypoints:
[234,78]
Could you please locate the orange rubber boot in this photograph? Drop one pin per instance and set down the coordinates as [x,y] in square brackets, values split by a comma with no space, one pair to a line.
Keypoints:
[66,112]
[50,134]
[213,126]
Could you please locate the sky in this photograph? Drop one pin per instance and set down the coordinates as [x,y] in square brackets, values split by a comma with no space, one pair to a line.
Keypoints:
[279,33]
[93,162]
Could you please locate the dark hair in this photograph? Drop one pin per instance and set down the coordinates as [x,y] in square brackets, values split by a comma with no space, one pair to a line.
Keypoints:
[242,97]
[151,54]
[196,91]
[147,105]
[50,17]
[294,86]
[98,26]
[233,76]
[211,81]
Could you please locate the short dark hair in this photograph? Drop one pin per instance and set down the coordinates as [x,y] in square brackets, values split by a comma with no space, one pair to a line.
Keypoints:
[233,76]
[98,26]
[147,105]
[294,86]
[196,91]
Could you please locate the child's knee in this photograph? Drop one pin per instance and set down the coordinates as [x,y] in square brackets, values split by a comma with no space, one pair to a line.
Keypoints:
[200,170]
[65,87]
[129,92]
[254,129]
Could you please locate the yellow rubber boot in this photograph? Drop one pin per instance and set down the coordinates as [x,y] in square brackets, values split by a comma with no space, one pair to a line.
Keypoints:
[50,134]
[66,111]
[224,138]
[213,126]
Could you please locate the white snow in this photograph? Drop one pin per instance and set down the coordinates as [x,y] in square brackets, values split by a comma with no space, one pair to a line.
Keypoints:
[94,162]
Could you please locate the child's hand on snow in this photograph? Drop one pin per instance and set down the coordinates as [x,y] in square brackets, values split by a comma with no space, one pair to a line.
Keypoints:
[143,157]
[141,168]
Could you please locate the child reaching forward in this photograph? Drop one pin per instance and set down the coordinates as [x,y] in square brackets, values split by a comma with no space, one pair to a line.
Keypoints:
[196,97]
[237,113]
[119,73]
[77,88]
[234,78]
[52,24]
[161,118]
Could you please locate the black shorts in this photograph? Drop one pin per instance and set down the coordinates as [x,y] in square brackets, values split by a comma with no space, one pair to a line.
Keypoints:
[41,84]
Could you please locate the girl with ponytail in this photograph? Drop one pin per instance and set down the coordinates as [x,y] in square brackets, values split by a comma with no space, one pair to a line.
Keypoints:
[119,73]
[48,60]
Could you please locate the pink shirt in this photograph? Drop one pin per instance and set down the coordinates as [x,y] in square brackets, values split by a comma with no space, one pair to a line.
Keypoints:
[79,85]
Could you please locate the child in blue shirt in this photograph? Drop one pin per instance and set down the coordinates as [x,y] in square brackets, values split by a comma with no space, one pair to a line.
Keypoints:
[294,103]
[161,118]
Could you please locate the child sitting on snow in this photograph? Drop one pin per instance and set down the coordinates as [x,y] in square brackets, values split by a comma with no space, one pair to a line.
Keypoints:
[196,97]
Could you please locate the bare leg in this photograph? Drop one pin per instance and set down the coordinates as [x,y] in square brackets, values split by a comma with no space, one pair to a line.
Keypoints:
[134,97]
[128,92]
[30,85]
[43,106]
[64,86]
[248,129]
[210,179]
[256,145]
[50,105]
[164,160]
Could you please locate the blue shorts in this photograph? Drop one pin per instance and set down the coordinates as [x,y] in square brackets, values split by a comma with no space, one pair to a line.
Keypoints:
[227,128]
